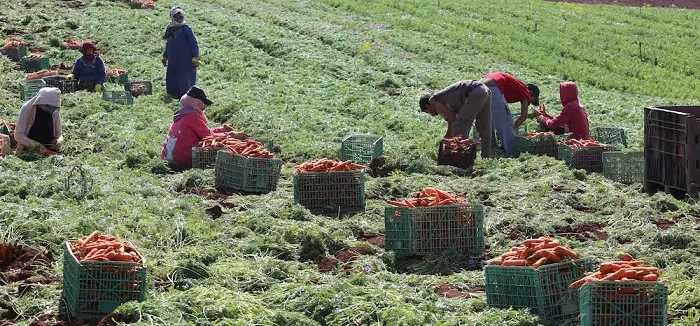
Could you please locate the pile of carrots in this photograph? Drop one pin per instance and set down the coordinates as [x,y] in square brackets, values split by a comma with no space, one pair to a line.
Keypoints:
[10,125]
[13,43]
[35,56]
[328,165]
[247,148]
[456,145]
[72,43]
[578,143]
[101,247]
[429,197]
[115,72]
[539,134]
[627,269]
[42,73]
[137,88]
[535,253]
[146,3]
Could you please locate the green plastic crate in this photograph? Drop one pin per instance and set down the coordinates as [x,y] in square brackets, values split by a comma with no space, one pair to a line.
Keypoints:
[624,167]
[29,88]
[119,97]
[546,145]
[434,229]
[604,303]
[544,290]
[361,149]
[586,158]
[330,191]
[93,289]
[121,79]
[35,65]
[609,135]
[249,174]
[204,157]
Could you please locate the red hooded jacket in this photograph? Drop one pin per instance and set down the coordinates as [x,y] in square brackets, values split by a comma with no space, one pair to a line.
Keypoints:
[189,127]
[573,115]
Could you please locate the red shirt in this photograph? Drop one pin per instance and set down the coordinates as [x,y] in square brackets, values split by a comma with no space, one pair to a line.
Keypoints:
[512,88]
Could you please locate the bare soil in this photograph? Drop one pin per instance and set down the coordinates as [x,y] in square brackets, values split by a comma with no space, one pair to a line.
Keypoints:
[690,4]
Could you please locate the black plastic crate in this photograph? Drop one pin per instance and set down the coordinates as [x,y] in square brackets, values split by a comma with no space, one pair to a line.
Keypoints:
[137,88]
[66,86]
[463,160]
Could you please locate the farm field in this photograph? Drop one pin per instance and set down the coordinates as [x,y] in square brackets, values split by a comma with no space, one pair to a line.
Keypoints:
[307,73]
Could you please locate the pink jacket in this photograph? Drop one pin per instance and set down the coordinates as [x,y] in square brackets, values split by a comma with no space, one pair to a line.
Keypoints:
[573,115]
[189,127]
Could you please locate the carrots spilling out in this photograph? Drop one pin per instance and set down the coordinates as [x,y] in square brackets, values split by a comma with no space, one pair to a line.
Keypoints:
[102,247]
[626,270]
[247,148]
[539,134]
[13,43]
[429,197]
[146,3]
[456,145]
[42,73]
[115,72]
[578,143]
[72,43]
[328,165]
[10,125]
[535,253]
[35,56]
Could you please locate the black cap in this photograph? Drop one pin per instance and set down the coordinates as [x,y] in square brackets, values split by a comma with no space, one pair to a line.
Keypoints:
[198,93]
[534,94]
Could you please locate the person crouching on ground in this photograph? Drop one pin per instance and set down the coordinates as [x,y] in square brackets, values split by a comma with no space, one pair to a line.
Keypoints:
[573,115]
[189,127]
[39,123]
[89,69]
[461,104]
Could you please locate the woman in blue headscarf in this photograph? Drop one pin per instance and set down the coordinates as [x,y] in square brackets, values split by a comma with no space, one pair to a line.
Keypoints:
[181,56]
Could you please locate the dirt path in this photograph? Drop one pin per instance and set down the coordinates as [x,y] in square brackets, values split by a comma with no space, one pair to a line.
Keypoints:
[690,4]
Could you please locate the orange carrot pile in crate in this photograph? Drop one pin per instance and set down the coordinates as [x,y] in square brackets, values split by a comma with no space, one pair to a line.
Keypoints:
[42,73]
[247,148]
[626,270]
[577,143]
[101,247]
[455,145]
[539,134]
[535,253]
[72,43]
[429,197]
[328,165]
[13,43]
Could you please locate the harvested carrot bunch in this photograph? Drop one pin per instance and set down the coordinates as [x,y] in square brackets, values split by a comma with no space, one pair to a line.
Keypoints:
[115,72]
[456,145]
[328,165]
[429,197]
[578,143]
[35,56]
[72,43]
[539,134]
[247,148]
[535,253]
[13,43]
[627,269]
[102,247]
[146,3]
[42,73]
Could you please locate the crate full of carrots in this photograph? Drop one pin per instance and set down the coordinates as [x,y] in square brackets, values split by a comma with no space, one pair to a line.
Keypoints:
[330,185]
[15,50]
[537,143]
[204,155]
[434,221]
[35,62]
[245,165]
[583,154]
[100,272]
[537,275]
[623,292]
[118,76]
[138,88]
[457,152]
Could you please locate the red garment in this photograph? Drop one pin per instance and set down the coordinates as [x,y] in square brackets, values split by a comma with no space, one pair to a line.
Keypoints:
[573,115]
[89,45]
[512,88]
[189,127]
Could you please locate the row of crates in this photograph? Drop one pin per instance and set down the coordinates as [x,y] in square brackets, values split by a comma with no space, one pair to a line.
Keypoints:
[30,88]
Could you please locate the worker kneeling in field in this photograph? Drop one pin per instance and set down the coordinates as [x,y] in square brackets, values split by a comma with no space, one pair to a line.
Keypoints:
[461,104]
[574,115]
[39,124]
[507,89]
[189,127]
[89,69]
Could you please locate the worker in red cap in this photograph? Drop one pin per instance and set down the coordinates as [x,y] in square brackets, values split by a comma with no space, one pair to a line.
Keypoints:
[89,69]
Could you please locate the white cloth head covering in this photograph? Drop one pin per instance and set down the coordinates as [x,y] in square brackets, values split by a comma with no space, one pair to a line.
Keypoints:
[48,96]
[173,12]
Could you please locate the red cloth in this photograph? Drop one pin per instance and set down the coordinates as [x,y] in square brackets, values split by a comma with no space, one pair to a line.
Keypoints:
[512,88]
[91,46]
[189,127]
[573,115]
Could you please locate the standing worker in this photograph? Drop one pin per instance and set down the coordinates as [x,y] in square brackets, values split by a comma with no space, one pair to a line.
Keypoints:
[181,55]
[39,123]
[507,89]
[461,104]
[89,69]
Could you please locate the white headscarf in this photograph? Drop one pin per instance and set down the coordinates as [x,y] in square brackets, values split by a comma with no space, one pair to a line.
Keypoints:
[50,96]
[176,10]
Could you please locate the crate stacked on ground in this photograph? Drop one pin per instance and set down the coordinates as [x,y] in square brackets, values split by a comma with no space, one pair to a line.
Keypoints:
[15,50]
[34,63]
[537,276]
[672,149]
[624,167]
[609,135]
[101,272]
[434,221]
[61,82]
[137,88]
[29,88]
[583,154]
[204,156]
[119,97]
[118,76]
[361,149]
[538,143]
[330,185]
[457,152]
[245,165]
[623,292]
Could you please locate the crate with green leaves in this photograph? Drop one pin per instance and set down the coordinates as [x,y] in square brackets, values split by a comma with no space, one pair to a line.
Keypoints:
[544,290]
[361,149]
[248,174]
[623,303]
[29,88]
[609,135]
[93,289]
[435,229]
[334,191]
[34,64]
[624,167]
[581,157]
[119,97]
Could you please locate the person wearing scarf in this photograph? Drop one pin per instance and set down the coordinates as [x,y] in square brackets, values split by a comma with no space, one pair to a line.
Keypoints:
[39,123]
[181,55]
[89,69]
[189,127]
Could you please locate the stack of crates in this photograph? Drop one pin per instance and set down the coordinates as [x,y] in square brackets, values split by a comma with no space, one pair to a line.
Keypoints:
[361,149]
[623,303]
[342,191]
[672,149]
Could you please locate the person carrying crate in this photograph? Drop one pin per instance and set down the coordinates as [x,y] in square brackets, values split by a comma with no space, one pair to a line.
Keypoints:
[461,104]
[39,123]
[89,69]
[181,55]
[573,116]
[507,89]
